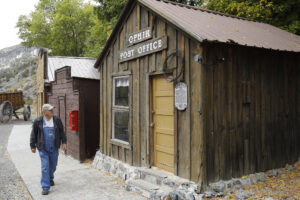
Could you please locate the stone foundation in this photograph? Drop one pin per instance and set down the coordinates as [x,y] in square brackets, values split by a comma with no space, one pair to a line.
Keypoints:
[158,185]
[170,187]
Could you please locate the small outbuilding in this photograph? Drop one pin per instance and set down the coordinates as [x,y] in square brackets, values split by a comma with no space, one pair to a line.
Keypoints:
[200,94]
[71,84]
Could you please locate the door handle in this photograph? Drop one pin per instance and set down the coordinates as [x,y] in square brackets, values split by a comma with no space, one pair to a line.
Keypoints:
[152,124]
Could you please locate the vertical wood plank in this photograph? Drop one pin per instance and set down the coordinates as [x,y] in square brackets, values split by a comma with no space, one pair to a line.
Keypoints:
[160,56]
[263,114]
[138,132]
[152,57]
[101,110]
[184,162]
[116,48]
[144,104]
[105,105]
[196,95]
[176,151]
[171,33]
[109,101]
[229,105]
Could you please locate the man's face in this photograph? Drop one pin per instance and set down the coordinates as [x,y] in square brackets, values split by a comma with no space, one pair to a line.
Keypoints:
[48,113]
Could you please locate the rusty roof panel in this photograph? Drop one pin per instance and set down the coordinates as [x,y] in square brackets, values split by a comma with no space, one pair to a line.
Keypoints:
[205,25]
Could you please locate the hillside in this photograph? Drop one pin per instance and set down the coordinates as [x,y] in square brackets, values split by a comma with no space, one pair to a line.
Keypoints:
[17,71]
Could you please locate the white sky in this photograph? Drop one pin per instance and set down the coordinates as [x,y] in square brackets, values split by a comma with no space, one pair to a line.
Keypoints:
[10,10]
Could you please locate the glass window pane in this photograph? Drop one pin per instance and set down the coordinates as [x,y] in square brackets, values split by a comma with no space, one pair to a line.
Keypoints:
[121,119]
[121,91]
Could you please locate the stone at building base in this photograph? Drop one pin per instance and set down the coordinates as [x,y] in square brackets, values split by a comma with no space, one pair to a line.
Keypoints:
[159,185]
[152,184]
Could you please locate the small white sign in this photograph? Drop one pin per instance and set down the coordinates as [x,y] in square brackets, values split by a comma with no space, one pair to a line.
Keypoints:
[181,96]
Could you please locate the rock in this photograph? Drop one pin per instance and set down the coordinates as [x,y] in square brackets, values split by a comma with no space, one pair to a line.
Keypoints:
[273,173]
[189,196]
[106,167]
[121,167]
[219,194]
[269,198]
[229,185]
[169,182]
[241,195]
[246,181]
[199,197]
[218,187]
[209,194]
[171,196]
[291,167]
[237,182]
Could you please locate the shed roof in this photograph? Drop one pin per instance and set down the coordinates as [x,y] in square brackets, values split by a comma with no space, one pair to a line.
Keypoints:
[80,67]
[210,26]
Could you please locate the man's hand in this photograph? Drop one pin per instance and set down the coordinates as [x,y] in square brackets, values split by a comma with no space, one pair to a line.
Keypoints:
[33,150]
[64,147]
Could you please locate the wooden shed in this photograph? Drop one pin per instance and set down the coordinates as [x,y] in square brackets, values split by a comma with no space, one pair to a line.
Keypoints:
[203,95]
[72,84]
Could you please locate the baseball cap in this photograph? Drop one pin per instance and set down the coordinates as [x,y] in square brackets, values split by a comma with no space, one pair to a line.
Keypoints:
[47,107]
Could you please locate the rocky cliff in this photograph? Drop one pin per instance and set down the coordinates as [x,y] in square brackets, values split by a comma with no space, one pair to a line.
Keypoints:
[17,71]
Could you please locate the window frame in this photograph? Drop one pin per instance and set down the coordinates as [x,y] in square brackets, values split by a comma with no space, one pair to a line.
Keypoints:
[116,141]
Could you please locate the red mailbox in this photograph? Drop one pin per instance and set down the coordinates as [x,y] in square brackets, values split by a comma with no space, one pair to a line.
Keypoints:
[73,120]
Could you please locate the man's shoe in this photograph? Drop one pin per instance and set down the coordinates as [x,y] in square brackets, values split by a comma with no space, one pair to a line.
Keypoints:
[45,192]
[52,183]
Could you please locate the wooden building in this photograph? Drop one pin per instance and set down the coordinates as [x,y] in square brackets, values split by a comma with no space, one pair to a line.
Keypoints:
[204,95]
[67,83]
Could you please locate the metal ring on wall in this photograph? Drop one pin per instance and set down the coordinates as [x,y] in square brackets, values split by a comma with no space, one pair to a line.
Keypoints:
[176,53]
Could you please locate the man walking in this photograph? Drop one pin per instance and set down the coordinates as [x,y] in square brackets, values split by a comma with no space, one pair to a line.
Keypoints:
[47,135]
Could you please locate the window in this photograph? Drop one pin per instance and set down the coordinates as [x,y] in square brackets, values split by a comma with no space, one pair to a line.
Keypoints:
[121,108]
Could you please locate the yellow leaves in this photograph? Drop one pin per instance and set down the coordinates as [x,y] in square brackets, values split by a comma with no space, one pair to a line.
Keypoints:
[282,186]
[231,196]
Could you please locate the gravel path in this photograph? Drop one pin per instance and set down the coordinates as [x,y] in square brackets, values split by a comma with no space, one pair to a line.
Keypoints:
[11,184]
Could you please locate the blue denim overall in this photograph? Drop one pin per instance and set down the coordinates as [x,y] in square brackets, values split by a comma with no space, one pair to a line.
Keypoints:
[48,156]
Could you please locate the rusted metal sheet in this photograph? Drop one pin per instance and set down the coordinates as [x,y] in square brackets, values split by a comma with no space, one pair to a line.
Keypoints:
[205,25]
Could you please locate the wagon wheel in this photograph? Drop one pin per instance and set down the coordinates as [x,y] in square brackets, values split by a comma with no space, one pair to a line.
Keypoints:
[6,112]
[27,112]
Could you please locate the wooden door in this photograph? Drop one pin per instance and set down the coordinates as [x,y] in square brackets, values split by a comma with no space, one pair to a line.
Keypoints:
[163,127]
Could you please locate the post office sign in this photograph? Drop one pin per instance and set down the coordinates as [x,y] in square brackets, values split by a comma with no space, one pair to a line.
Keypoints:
[139,36]
[142,49]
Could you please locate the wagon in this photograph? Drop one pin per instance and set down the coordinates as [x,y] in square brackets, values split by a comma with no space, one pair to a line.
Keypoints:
[10,103]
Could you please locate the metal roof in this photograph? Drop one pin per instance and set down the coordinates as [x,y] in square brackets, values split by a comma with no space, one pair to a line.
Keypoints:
[80,67]
[205,25]
[210,26]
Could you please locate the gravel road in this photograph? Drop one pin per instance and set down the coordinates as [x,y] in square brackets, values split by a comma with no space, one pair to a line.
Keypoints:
[11,184]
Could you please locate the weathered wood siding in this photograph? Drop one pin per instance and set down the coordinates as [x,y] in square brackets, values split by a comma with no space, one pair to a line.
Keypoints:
[188,124]
[89,115]
[62,90]
[81,95]
[242,115]
[252,116]
[40,75]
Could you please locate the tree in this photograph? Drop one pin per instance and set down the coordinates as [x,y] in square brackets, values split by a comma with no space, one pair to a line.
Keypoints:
[61,26]
[284,14]
[96,40]
[72,20]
